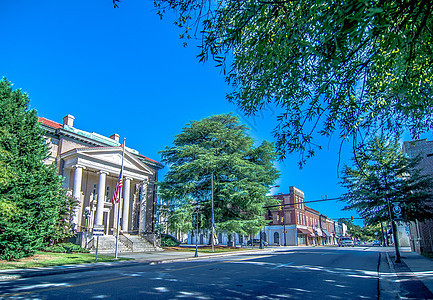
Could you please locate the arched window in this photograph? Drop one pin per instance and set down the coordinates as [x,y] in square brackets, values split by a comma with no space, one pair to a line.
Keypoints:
[276,238]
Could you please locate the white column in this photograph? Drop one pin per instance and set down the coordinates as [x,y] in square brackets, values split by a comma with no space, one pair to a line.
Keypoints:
[101,198]
[76,193]
[143,206]
[126,193]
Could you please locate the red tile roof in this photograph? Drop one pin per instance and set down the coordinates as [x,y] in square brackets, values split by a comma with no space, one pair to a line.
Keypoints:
[50,123]
[147,158]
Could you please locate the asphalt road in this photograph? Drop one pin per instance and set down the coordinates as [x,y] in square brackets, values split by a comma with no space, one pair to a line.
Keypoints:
[304,273]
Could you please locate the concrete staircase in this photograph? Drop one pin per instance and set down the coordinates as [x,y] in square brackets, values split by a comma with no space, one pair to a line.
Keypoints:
[107,244]
[140,244]
[127,243]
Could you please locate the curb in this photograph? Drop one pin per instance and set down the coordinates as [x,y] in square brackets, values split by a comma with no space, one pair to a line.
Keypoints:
[14,274]
[387,286]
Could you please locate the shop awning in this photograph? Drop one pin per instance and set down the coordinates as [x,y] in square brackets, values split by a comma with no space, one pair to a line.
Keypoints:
[304,231]
[326,233]
[319,232]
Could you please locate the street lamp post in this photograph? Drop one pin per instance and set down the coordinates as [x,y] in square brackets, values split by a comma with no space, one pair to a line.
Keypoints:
[196,235]
[86,223]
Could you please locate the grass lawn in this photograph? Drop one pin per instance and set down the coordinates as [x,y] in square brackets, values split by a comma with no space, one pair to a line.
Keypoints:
[48,259]
[207,249]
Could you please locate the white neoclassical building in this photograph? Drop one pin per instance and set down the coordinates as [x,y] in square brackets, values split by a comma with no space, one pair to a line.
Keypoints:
[90,164]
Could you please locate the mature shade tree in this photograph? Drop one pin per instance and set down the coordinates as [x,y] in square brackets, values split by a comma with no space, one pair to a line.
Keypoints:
[34,209]
[219,146]
[381,173]
[331,67]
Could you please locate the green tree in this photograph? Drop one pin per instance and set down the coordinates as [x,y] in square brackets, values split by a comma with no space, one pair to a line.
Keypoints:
[34,209]
[372,232]
[332,67]
[219,146]
[366,233]
[177,219]
[382,174]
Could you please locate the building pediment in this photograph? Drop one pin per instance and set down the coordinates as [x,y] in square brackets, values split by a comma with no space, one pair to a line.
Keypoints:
[107,159]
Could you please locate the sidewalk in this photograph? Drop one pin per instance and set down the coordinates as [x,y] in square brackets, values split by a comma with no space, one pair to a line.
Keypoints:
[151,257]
[415,270]
[420,266]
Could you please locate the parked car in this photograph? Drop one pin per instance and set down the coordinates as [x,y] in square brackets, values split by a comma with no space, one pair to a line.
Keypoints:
[376,243]
[256,242]
[346,242]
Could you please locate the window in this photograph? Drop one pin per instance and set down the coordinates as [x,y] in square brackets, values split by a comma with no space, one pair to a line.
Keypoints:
[94,192]
[107,194]
[276,238]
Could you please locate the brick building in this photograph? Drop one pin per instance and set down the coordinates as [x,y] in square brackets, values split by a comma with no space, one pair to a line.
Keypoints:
[421,233]
[293,223]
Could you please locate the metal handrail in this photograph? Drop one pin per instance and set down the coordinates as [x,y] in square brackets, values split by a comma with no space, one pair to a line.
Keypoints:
[152,238]
[90,243]
[126,241]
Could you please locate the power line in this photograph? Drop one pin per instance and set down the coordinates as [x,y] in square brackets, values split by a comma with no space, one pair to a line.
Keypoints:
[311,201]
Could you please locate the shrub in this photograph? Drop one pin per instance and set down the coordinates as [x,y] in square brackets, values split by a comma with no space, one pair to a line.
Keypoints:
[66,248]
[169,241]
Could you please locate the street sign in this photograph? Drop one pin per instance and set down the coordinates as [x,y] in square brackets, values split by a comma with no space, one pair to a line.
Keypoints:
[396,209]
[98,231]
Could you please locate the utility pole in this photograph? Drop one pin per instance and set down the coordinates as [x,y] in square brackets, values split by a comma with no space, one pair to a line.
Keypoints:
[213,220]
[284,224]
[393,226]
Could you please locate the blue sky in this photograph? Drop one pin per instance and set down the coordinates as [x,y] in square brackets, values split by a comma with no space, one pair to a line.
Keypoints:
[125,71]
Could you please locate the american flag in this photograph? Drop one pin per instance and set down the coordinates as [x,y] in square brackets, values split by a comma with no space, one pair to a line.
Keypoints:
[116,195]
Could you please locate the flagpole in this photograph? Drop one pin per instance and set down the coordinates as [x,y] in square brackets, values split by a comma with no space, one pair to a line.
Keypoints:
[118,210]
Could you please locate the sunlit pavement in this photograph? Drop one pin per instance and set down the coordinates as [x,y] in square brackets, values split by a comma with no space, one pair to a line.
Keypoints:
[326,264]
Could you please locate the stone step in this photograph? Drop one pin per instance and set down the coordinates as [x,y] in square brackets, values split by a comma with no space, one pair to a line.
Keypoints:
[107,244]
[140,244]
